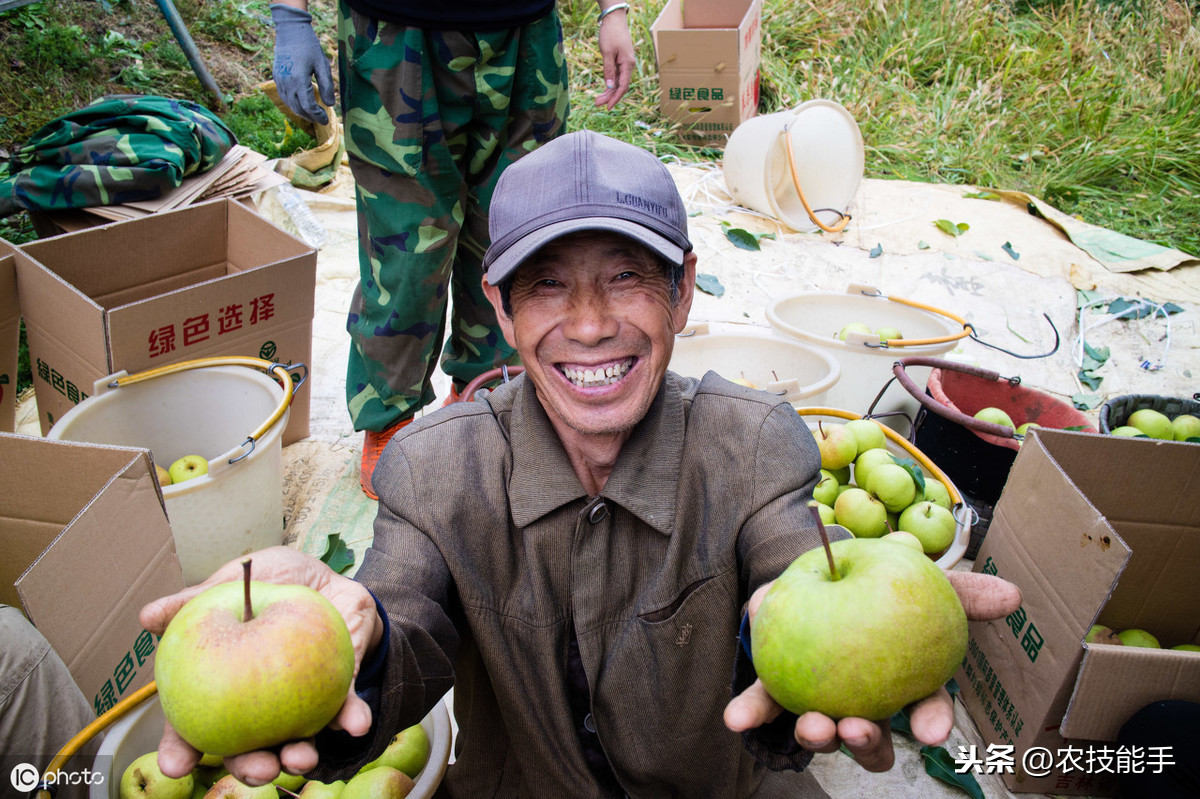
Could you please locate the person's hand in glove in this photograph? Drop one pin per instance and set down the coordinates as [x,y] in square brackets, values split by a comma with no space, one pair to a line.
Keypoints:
[299,59]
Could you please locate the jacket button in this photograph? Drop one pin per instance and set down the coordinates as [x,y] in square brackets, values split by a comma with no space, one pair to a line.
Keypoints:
[589,723]
[598,512]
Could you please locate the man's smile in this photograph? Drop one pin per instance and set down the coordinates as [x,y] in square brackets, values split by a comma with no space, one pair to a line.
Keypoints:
[596,375]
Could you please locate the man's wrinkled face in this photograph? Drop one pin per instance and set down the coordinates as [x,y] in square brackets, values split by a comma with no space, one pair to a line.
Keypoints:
[594,323]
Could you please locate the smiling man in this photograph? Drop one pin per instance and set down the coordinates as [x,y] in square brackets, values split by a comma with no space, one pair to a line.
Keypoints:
[573,551]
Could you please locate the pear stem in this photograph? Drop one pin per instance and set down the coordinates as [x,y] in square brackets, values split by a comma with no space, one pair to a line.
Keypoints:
[816,514]
[248,613]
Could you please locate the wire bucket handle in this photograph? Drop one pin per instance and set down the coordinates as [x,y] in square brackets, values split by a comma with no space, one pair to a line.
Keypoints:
[501,373]
[928,403]
[280,371]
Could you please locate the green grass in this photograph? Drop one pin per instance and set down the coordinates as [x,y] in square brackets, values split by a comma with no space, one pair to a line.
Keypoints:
[1089,106]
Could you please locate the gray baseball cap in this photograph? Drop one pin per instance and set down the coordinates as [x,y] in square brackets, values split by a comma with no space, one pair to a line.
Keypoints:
[583,181]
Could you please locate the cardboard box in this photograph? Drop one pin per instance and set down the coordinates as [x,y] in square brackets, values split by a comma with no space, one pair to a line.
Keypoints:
[208,280]
[708,53]
[1093,529]
[84,544]
[10,337]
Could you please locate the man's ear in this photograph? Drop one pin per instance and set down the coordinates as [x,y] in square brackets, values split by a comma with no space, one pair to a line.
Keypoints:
[687,291]
[503,319]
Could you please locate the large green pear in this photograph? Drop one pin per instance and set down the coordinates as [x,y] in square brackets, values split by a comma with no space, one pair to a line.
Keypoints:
[887,631]
[1152,423]
[142,779]
[381,782]
[408,751]
[234,679]
[1137,637]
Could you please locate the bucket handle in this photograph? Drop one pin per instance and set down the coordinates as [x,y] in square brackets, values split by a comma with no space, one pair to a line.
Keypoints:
[836,227]
[97,726]
[281,372]
[967,330]
[503,373]
[956,416]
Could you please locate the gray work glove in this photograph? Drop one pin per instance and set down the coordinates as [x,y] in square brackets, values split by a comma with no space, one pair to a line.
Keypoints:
[299,59]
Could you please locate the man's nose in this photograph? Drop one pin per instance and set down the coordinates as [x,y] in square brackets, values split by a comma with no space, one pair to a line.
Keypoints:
[591,320]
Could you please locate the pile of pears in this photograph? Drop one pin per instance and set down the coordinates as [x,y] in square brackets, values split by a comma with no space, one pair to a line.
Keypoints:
[1149,423]
[390,776]
[872,493]
[1132,636]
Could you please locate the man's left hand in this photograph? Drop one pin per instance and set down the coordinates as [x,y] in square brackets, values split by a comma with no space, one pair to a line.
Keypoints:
[983,597]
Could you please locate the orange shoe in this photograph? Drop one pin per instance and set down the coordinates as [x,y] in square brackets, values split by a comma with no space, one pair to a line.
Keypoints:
[373,446]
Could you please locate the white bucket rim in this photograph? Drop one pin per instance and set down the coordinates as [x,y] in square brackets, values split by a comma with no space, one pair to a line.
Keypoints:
[856,343]
[105,390]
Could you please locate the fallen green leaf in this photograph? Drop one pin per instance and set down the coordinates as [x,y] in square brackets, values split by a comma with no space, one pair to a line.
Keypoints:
[922,245]
[1090,380]
[709,285]
[1138,308]
[900,723]
[1008,248]
[950,228]
[982,195]
[744,239]
[940,764]
[1078,428]
[1085,402]
[877,251]
[1100,354]
[337,555]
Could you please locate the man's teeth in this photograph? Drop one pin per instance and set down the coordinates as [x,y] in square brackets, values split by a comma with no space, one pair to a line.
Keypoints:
[587,378]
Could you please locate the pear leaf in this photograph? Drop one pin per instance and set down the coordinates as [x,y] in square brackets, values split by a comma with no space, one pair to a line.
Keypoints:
[877,251]
[900,723]
[950,228]
[914,471]
[744,239]
[1090,380]
[337,556]
[1100,354]
[922,245]
[709,285]
[940,764]
[1008,248]
[1085,402]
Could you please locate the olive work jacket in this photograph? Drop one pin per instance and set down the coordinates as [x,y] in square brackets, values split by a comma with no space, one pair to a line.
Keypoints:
[488,554]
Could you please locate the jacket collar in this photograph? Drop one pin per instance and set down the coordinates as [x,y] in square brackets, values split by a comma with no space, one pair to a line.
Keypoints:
[644,480]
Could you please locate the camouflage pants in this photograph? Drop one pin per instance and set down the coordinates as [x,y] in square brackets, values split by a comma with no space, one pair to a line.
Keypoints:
[432,119]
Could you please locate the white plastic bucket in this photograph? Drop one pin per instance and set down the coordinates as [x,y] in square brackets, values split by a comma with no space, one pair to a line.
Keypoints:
[827,148]
[139,732]
[238,506]
[783,366]
[816,318]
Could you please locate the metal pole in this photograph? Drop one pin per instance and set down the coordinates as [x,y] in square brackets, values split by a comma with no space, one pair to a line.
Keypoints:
[189,49]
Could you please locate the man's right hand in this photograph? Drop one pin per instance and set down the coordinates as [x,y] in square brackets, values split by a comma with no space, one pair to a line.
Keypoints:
[283,565]
[298,60]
